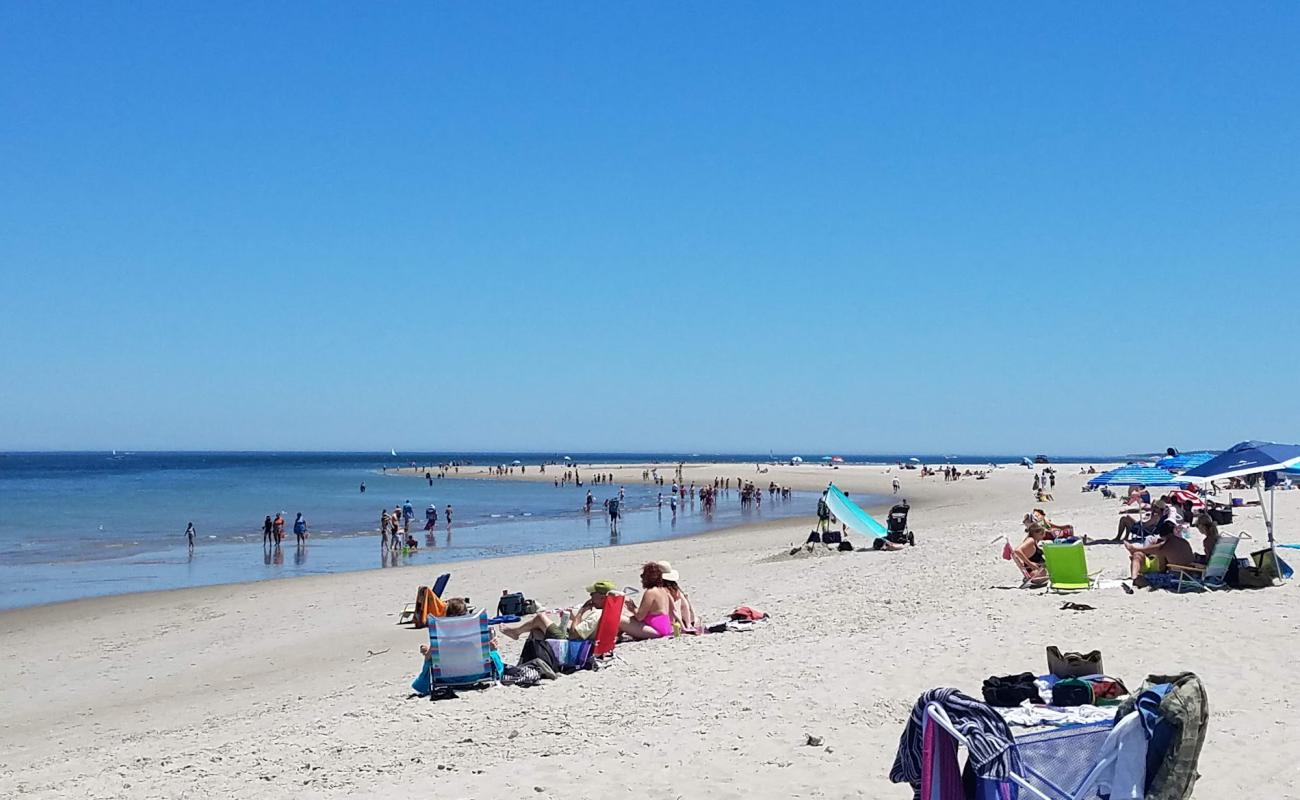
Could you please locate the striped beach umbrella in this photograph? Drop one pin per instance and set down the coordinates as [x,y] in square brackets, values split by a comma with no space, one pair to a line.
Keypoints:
[1184,461]
[1137,475]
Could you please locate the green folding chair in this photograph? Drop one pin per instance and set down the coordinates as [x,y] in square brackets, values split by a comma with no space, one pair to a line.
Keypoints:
[1067,567]
[1212,575]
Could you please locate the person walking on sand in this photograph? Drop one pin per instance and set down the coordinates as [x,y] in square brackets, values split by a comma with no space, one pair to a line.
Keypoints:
[266,532]
[897,485]
[300,529]
[189,536]
[823,514]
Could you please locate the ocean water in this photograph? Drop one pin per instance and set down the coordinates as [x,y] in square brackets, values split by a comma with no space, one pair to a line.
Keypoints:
[89,524]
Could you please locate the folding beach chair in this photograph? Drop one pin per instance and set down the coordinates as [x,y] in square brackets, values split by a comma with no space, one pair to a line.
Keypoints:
[460,656]
[1069,763]
[419,610]
[607,629]
[1210,576]
[1067,567]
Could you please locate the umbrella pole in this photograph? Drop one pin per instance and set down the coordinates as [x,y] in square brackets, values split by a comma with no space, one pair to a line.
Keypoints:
[1268,522]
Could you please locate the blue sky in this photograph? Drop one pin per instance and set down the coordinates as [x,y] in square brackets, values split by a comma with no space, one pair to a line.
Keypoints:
[667,226]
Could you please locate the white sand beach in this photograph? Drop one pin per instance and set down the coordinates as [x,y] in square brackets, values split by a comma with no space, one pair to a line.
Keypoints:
[299,688]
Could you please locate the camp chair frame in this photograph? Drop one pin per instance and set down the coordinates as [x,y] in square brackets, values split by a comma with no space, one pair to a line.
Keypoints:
[1033,781]
[1060,586]
[1210,575]
[1026,567]
[481,674]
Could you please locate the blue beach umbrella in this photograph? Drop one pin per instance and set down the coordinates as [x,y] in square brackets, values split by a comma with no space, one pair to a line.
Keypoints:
[1251,458]
[1137,475]
[1184,460]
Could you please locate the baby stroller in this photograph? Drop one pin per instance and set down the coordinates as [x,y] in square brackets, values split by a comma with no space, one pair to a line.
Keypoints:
[897,525]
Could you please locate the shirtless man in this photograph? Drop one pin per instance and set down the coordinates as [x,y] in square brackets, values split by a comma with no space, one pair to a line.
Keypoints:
[1171,548]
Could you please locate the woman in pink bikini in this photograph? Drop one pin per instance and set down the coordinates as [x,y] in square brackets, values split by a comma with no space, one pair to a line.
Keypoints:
[650,618]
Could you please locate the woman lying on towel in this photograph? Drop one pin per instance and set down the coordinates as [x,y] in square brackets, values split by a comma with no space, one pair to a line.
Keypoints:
[582,625]
[652,617]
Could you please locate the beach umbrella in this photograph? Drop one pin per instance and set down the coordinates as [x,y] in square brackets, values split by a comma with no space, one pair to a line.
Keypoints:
[1251,458]
[917,460]
[567,458]
[1184,460]
[516,462]
[1138,475]
[837,459]
[828,458]
[796,460]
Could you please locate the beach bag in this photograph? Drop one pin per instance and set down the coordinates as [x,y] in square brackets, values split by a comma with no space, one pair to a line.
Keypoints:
[1073,665]
[1072,692]
[1268,565]
[831,538]
[511,604]
[845,546]
[536,649]
[1009,691]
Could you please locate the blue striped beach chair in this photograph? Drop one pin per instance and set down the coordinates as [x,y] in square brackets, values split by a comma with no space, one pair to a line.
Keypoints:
[460,656]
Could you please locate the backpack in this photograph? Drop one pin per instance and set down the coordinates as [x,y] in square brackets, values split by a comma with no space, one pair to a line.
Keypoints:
[512,605]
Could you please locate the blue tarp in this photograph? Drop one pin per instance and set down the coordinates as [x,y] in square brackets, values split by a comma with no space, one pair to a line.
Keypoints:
[1137,475]
[848,512]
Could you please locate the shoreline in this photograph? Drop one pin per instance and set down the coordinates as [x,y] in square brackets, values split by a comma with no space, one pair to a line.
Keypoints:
[280,689]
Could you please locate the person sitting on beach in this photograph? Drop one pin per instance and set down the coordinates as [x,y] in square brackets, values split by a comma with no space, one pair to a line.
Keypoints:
[1209,529]
[651,618]
[1141,523]
[1029,553]
[1169,548]
[679,604]
[582,625]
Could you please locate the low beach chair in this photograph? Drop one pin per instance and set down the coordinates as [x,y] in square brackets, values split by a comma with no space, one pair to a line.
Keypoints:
[1067,567]
[1059,764]
[1210,575]
[418,611]
[460,656]
[611,615]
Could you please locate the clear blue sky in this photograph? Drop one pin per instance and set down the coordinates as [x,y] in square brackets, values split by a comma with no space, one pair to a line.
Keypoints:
[799,226]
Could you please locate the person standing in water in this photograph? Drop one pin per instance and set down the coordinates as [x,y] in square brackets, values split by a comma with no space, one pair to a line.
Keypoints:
[277,528]
[266,532]
[408,514]
[189,536]
[383,528]
[590,500]
[430,518]
[363,487]
[300,529]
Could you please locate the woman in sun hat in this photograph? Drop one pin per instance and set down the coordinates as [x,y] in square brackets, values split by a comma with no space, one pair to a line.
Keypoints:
[680,610]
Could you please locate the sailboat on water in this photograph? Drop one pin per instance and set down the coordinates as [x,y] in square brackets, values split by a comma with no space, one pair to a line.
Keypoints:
[392,452]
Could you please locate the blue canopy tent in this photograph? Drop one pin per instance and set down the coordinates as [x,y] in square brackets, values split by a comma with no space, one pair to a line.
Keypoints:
[1251,458]
[1184,460]
[1137,475]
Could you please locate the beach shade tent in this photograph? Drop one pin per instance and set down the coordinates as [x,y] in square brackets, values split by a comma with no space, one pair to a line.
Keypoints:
[568,458]
[796,460]
[1251,458]
[1026,461]
[516,462]
[852,515]
[837,459]
[1184,461]
[828,458]
[1138,475]
[915,460]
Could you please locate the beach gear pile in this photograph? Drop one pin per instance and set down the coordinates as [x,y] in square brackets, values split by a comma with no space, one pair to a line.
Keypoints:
[1071,734]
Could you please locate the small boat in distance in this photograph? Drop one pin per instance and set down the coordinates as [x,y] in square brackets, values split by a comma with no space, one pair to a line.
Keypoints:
[392,452]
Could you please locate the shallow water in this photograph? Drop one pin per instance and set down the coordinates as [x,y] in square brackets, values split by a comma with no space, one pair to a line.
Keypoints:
[81,525]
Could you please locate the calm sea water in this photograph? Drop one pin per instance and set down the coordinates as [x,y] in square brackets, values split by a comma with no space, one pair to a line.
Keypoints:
[86,524]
